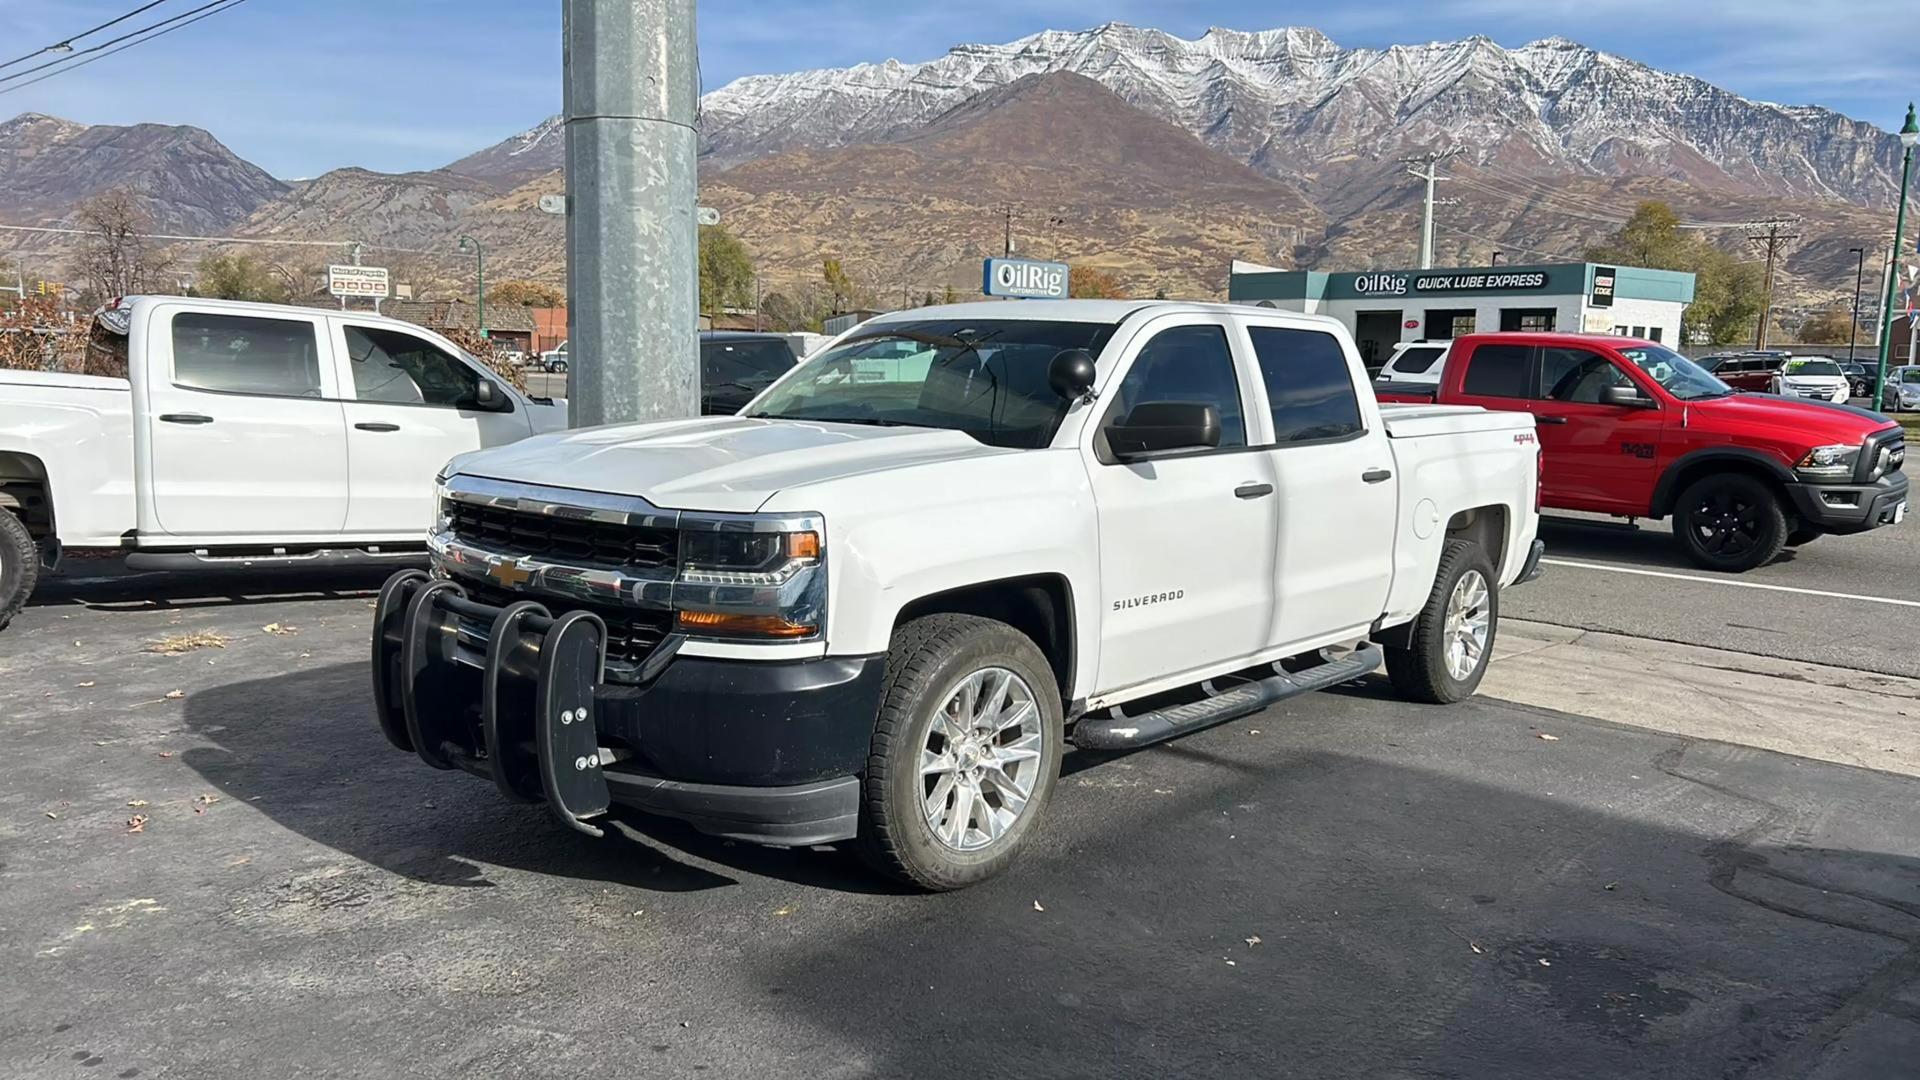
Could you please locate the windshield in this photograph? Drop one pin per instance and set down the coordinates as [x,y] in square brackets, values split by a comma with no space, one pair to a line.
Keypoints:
[1676,374]
[744,362]
[1812,367]
[1908,375]
[986,377]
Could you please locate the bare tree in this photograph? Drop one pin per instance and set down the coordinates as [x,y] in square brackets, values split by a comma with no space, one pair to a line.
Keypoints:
[115,258]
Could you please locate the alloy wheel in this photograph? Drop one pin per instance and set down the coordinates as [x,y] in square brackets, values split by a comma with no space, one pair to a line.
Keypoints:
[981,760]
[1469,623]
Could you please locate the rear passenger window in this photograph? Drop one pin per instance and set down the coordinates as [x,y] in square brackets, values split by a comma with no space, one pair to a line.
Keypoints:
[1416,361]
[1498,371]
[1188,364]
[1309,386]
[235,354]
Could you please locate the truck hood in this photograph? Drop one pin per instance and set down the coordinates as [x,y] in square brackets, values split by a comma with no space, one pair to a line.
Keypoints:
[720,463]
[1817,423]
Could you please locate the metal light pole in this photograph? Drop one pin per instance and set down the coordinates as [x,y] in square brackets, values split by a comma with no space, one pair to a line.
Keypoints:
[633,285]
[468,243]
[1859,276]
[1496,258]
[1909,135]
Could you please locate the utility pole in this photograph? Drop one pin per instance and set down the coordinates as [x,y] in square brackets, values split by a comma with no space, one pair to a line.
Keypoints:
[1772,235]
[1859,277]
[1427,167]
[1008,249]
[632,98]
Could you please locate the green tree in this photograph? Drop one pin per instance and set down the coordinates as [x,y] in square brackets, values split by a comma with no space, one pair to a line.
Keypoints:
[239,276]
[949,296]
[726,270]
[526,294]
[1727,295]
[1089,283]
[840,287]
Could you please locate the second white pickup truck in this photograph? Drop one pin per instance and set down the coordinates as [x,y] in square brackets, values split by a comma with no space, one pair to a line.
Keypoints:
[217,433]
[877,604]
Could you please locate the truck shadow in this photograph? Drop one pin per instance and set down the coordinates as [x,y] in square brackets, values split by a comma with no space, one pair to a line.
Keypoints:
[303,748]
[1648,544]
[107,585]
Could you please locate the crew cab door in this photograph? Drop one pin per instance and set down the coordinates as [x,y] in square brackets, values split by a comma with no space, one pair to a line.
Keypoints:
[1599,456]
[245,434]
[1337,497]
[411,406]
[1186,537]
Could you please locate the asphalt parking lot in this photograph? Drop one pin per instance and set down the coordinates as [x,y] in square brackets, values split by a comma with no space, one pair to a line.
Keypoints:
[1850,601]
[1341,886]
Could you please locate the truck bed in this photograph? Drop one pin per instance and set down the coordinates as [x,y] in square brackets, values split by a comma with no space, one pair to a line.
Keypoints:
[60,380]
[1405,391]
[1409,421]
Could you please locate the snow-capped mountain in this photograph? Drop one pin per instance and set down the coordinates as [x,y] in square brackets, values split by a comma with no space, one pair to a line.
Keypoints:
[1295,104]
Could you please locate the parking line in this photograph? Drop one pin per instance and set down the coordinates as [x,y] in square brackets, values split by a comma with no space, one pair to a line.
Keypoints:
[1736,584]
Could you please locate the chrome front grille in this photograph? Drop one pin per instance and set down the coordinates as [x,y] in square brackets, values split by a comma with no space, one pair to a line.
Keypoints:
[562,538]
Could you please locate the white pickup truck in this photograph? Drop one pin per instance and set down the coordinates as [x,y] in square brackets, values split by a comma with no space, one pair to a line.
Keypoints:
[878,603]
[215,433]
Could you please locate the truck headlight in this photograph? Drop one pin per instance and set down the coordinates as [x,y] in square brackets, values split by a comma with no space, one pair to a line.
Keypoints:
[751,577]
[1828,463]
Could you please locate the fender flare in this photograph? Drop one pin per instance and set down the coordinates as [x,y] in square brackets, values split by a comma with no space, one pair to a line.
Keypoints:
[1666,489]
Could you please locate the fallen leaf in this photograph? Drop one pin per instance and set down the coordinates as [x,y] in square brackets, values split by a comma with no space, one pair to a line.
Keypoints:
[175,644]
[86,685]
[166,753]
[201,802]
[136,803]
[137,823]
[1477,950]
[282,631]
[1253,731]
[1036,903]
[53,815]
[1230,963]
[1544,962]
[1546,737]
[1252,941]
[784,910]
[174,695]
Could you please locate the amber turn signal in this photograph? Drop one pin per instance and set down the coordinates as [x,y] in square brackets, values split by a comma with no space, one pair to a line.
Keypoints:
[723,624]
[803,545]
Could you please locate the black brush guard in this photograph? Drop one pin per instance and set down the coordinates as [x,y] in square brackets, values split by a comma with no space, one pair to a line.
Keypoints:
[501,692]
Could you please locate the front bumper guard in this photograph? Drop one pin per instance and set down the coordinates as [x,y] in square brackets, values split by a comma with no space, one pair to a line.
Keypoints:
[529,727]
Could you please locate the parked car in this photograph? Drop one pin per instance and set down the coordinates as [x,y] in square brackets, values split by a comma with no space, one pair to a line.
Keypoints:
[1634,429]
[876,604]
[1753,372]
[1859,377]
[1814,378]
[555,359]
[1902,392]
[1417,362]
[211,434]
[735,366]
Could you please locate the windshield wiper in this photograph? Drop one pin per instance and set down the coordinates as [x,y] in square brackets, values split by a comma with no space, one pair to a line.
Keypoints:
[872,421]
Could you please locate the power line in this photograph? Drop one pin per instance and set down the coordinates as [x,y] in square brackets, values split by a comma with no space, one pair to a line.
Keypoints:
[71,62]
[67,43]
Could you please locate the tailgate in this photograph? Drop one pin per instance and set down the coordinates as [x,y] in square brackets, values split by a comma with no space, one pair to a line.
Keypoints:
[1420,421]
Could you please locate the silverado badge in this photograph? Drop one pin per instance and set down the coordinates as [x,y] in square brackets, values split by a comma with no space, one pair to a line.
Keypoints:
[509,574]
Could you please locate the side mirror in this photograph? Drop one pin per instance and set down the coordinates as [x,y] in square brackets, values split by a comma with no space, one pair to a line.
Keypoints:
[487,397]
[1627,397]
[1156,426]
[1071,374]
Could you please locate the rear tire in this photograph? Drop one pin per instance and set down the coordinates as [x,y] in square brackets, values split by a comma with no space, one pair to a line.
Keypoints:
[1429,668]
[19,566]
[1730,522]
[926,720]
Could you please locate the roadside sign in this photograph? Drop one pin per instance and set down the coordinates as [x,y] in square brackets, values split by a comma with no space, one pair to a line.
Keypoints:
[553,204]
[1603,277]
[364,282]
[706,215]
[1029,279]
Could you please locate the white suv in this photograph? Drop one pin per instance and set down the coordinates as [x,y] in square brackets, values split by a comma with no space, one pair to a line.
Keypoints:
[1415,362]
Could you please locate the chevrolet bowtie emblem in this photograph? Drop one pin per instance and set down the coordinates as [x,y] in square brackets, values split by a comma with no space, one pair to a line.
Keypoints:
[509,574]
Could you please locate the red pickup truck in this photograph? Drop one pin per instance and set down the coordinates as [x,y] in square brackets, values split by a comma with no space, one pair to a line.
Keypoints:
[1634,429]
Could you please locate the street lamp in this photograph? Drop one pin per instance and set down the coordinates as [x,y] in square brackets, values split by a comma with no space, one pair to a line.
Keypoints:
[468,243]
[1859,275]
[1909,135]
[1496,258]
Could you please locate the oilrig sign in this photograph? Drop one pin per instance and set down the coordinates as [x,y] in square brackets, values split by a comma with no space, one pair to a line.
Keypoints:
[1027,279]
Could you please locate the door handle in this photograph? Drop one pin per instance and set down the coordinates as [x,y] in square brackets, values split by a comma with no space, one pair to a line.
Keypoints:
[377,426]
[1375,476]
[1549,419]
[185,418]
[1252,491]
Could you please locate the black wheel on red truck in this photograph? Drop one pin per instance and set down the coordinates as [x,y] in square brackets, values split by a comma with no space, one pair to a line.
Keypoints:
[966,752]
[1730,522]
[1446,649]
[19,566]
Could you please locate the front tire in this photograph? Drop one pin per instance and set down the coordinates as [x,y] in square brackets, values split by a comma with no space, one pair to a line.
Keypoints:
[1731,523]
[19,566]
[966,752]
[1451,642]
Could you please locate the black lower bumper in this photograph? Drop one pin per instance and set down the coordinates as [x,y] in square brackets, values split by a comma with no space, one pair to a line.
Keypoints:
[1531,568]
[750,750]
[1850,508]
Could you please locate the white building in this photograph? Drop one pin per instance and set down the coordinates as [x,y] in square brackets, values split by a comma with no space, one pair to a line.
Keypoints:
[1384,307]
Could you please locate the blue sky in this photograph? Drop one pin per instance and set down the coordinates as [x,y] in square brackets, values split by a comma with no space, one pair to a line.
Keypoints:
[302,86]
